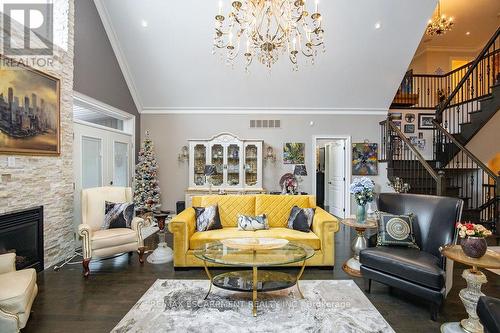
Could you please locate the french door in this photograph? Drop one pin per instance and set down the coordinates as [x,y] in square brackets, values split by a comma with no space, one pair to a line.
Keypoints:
[101,157]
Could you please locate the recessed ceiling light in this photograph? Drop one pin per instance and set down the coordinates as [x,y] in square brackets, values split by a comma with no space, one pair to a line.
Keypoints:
[467,33]
[378,25]
[144,23]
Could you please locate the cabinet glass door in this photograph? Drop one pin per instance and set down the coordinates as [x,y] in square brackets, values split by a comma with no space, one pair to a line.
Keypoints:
[251,165]
[218,161]
[200,160]
[233,165]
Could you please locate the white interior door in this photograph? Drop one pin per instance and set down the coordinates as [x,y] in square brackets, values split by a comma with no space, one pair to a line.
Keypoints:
[101,158]
[336,177]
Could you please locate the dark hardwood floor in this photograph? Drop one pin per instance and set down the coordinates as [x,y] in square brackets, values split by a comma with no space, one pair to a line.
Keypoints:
[69,303]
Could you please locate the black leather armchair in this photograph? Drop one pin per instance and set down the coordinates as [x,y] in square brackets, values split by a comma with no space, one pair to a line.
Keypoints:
[488,311]
[420,272]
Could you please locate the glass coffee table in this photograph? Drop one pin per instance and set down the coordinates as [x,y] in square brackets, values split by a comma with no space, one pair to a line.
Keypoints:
[254,280]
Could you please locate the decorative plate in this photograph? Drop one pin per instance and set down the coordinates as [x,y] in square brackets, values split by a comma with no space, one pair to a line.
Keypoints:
[254,243]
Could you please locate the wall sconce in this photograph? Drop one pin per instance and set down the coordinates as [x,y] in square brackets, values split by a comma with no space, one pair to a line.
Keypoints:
[270,155]
[184,154]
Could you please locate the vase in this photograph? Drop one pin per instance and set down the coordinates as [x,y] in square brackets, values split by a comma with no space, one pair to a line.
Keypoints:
[361,213]
[474,247]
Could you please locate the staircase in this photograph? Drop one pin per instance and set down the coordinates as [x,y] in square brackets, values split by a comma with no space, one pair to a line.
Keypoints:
[472,97]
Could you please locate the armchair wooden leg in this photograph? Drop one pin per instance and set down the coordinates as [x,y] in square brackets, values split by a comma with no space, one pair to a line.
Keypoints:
[86,270]
[141,254]
[368,285]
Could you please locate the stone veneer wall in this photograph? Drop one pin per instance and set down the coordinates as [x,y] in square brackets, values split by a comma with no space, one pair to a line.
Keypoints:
[48,181]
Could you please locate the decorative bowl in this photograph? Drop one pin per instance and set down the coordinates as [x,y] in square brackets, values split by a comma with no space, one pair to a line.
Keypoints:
[254,243]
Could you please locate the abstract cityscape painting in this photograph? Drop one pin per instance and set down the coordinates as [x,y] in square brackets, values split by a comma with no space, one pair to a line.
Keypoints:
[29,111]
[364,159]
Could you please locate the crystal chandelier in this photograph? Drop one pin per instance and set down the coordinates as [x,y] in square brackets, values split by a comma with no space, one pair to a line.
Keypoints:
[267,29]
[440,24]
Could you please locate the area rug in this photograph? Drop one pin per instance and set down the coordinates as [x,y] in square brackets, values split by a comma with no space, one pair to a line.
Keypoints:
[178,306]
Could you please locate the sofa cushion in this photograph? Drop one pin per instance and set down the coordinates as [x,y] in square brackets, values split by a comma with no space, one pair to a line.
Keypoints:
[201,238]
[112,237]
[488,311]
[17,289]
[229,206]
[278,207]
[407,263]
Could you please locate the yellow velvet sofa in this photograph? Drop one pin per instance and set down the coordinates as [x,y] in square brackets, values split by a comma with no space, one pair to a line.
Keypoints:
[276,207]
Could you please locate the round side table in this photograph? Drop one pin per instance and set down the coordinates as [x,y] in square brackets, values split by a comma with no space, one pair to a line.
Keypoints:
[352,265]
[162,254]
[470,295]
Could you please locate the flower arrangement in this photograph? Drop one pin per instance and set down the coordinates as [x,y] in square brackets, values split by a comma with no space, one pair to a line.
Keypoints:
[362,190]
[466,229]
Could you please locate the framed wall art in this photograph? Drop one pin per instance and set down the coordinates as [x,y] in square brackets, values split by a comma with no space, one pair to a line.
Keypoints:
[425,120]
[364,159]
[409,128]
[29,111]
[294,153]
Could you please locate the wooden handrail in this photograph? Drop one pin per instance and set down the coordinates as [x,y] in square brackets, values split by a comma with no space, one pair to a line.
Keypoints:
[465,150]
[420,158]
[443,106]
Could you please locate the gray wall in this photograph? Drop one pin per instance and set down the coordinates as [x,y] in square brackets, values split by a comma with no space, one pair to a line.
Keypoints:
[97,73]
[170,132]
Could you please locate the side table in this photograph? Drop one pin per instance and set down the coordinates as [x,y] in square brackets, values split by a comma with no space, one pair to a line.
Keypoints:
[352,265]
[470,295]
[162,254]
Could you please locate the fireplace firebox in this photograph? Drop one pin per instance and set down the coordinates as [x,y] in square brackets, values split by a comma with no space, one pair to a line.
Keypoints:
[21,232]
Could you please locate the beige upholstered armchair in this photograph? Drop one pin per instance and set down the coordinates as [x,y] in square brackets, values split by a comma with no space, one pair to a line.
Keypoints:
[18,290]
[104,243]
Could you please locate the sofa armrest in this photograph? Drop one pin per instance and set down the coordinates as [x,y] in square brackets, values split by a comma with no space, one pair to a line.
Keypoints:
[85,231]
[7,262]
[182,227]
[137,225]
[9,322]
[324,226]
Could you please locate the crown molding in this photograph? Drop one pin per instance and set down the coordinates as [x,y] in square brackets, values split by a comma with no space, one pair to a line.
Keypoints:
[119,55]
[265,111]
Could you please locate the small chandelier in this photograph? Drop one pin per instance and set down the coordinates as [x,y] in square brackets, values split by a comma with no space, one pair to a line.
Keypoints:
[440,24]
[267,29]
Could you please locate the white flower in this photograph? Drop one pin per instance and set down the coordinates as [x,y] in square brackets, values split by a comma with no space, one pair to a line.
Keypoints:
[470,232]
[461,233]
[487,233]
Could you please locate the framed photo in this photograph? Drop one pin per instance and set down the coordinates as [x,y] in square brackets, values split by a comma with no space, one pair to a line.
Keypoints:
[425,120]
[396,116]
[294,153]
[409,128]
[29,111]
[364,159]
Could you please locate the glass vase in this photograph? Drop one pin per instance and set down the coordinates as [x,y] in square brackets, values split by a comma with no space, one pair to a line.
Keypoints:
[361,213]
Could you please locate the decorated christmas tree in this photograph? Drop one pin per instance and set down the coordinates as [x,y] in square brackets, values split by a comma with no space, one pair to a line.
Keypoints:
[147,190]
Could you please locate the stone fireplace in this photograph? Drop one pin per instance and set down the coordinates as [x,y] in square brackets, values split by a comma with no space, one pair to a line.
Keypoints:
[21,232]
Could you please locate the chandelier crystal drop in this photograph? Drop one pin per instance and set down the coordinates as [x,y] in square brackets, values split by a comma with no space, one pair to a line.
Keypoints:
[266,30]
[440,24]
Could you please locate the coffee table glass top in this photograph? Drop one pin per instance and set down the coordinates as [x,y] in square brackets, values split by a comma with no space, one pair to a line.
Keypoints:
[219,253]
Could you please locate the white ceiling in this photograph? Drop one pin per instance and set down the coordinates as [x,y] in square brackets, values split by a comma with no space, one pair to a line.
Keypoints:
[480,18]
[169,66]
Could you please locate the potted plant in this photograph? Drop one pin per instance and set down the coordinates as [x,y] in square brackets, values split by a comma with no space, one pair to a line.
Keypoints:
[362,190]
[473,240]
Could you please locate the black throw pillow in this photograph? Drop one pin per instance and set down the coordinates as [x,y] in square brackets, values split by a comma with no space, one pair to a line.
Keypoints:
[207,218]
[301,218]
[118,215]
[396,230]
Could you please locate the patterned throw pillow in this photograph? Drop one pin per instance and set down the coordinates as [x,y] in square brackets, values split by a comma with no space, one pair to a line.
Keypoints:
[252,223]
[395,230]
[207,218]
[301,218]
[118,215]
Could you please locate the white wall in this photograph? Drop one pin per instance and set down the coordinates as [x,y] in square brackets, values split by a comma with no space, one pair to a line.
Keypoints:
[431,61]
[170,132]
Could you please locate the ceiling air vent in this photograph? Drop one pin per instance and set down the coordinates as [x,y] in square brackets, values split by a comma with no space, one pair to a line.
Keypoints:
[265,123]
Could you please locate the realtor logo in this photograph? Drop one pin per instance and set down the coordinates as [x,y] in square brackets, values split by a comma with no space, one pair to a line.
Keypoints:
[28,29]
